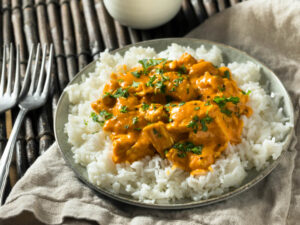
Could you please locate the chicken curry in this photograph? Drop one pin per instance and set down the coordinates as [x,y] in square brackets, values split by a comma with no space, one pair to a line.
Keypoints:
[185,110]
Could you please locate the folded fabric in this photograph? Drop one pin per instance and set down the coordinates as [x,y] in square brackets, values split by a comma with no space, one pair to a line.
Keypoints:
[269,30]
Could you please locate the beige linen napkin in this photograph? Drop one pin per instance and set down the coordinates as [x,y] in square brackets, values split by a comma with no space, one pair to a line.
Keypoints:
[268,30]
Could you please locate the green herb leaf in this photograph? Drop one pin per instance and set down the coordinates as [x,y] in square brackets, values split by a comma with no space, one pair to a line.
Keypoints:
[146,63]
[95,118]
[145,106]
[182,70]
[184,147]
[181,103]
[135,84]
[226,111]
[124,109]
[197,108]
[126,126]
[178,81]
[227,74]
[161,86]
[246,93]
[121,93]
[181,154]
[137,74]
[207,103]
[193,124]
[106,115]
[151,80]
[204,121]
[221,88]
[107,94]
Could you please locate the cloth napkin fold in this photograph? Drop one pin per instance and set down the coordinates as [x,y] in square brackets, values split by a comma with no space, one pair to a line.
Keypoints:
[269,30]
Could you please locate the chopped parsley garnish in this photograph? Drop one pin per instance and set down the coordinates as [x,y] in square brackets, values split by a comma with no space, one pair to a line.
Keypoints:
[181,103]
[178,81]
[107,94]
[246,93]
[159,71]
[173,89]
[161,86]
[197,108]
[182,70]
[137,74]
[145,106]
[121,93]
[106,115]
[124,109]
[171,120]
[221,88]
[193,124]
[156,133]
[135,120]
[151,80]
[181,154]
[221,102]
[120,80]
[95,118]
[204,121]
[126,126]
[135,84]
[207,103]
[85,122]
[146,63]
[138,129]
[227,74]
[185,147]
[226,111]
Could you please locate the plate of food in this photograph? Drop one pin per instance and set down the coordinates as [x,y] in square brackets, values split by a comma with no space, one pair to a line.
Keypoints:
[173,123]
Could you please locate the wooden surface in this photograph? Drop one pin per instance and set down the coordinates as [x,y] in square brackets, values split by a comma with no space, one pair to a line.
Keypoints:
[79,30]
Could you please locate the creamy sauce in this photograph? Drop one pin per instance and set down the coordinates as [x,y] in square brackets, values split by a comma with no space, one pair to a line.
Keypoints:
[184,110]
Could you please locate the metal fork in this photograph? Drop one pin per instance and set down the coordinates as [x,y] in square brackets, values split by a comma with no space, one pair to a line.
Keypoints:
[8,99]
[30,99]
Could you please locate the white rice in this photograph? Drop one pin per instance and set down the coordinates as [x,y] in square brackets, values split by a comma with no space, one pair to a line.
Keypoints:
[153,179]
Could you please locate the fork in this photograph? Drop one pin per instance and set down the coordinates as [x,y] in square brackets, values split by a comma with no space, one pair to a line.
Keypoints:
[9,98]
[30,99]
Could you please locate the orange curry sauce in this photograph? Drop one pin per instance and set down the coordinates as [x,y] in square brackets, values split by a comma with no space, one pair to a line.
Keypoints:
[184,110]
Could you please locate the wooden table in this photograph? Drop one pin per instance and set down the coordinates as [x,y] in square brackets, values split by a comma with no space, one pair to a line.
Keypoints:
[80,30]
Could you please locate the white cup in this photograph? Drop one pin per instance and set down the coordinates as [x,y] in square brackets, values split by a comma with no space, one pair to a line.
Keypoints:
[143,14]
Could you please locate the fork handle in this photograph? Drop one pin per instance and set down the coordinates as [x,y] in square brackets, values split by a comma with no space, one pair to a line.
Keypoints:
[8,152]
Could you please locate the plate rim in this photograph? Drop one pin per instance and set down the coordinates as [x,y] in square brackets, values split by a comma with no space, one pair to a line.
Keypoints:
[191,204]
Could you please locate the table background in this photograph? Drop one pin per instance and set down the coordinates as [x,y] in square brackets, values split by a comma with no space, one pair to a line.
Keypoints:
[80,30]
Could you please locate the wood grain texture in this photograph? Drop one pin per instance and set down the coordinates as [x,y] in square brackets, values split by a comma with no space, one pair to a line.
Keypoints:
[106,26]
[210,7]
[90,16]
[57,39]
[222,4]
[68,39]
[199,10]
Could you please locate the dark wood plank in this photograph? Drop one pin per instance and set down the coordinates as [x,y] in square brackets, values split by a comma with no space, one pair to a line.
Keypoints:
[210,7]
[57,38]
[199,10]
[90,16]
[68,39]
[81,38]
[106,26]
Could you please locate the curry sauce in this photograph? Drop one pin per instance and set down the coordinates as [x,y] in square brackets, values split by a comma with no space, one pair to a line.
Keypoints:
[185,110]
